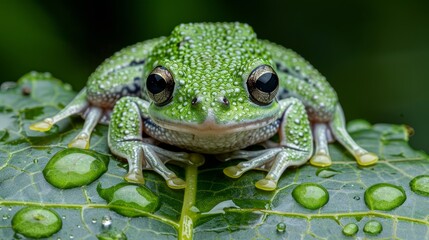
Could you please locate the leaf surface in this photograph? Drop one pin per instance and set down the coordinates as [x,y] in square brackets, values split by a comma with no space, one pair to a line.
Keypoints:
[215,207]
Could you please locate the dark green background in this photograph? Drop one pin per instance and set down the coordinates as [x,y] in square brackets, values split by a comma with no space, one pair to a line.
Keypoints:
[374,53]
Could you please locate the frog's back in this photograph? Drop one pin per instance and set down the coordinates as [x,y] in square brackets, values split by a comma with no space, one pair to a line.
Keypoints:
[119,75]
[298,78]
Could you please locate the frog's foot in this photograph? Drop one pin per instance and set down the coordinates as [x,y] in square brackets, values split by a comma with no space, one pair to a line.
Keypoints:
[274,160]
[145,156]
[42,126]
[338,129]
[93,116]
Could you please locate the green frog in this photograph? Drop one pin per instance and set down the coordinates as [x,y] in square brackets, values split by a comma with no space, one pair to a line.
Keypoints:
[211,88]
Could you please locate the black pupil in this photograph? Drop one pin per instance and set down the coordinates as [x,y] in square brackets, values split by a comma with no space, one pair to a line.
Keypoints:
[155,83]
[267,82]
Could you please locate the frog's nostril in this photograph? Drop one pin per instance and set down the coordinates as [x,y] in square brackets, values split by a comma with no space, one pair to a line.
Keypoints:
[195,101]
[225,101]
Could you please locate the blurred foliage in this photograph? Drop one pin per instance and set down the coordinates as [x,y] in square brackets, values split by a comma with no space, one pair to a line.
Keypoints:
[374,53]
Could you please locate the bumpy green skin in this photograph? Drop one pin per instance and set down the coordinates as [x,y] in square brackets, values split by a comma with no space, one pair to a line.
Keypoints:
[211,110]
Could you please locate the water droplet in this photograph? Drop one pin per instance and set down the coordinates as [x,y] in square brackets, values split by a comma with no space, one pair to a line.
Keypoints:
[373,227]
[36,222]
[128,199]
[420,185]
[71,237]
[310,195]
[106,222]
[384,196]
[6,216]
[326,172]
[112,235]
[356,198]
[73,167]
[94,220]
[35,161]
[281,227]
[350,229]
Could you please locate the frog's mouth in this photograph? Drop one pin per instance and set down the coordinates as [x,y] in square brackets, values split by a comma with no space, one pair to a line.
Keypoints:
[211,126]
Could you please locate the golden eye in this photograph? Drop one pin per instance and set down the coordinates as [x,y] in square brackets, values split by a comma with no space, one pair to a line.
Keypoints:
[263,84]
[160,85]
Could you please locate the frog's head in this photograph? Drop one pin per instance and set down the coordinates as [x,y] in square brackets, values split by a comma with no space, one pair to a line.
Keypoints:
[211,78]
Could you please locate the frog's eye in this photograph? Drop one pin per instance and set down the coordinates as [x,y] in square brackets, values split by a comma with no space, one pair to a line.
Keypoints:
[263,84]
[160,85]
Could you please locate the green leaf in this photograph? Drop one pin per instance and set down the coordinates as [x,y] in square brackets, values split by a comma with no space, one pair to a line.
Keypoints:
[213,206]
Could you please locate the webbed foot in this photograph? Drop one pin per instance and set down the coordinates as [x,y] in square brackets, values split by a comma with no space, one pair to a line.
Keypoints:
[293,150]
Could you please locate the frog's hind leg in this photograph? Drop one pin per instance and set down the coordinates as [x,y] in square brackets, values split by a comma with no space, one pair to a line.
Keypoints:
[77,105]
[338,129]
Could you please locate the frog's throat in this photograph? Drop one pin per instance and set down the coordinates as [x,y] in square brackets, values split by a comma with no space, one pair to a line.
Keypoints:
[212,127]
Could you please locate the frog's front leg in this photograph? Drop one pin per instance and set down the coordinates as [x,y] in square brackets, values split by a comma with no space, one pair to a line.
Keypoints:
[295,148]
[125,140]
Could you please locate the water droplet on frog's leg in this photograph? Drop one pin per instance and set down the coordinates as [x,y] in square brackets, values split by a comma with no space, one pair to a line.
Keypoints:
[106,222]
[310,195]
[356,198]
[36,222]
[281,227]
[384,196]
[373,227]
[350,229]
[420,185]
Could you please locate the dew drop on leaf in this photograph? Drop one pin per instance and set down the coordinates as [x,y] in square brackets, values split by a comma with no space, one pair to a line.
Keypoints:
[74,167]
[326,172]
[420,185]
[36,222]
[112,235]
[310,195]
[373,227]
[384,196]
[281,227]
[106,222]
[350,229]
[129,200]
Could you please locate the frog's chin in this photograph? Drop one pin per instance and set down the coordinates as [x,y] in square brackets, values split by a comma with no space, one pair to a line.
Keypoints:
[211,126]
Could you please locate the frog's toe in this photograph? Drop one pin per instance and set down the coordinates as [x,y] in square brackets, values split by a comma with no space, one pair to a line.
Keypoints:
[81,141]
[321,160]
[266,184]
[134,177]
[196,159]
[366,159]
[233,171]
[175,182]
[42,126]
